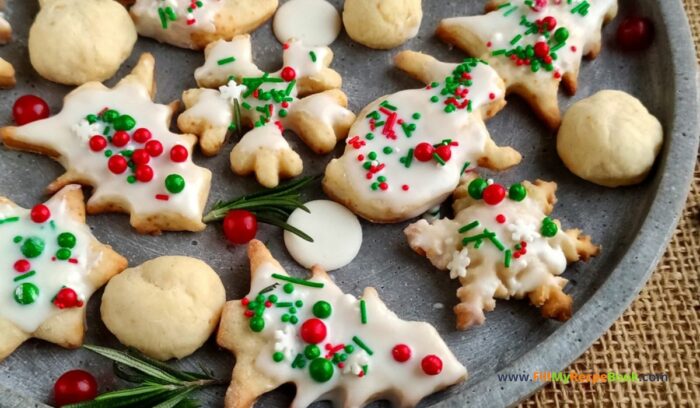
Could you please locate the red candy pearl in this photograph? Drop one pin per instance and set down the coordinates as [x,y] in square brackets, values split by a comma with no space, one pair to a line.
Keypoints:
[140,156]
[424,152]
[288,74]
[29,108]
[120,138]
[313,331]
[401,353]
[444,152]
[98,143]
[541,49]
[494,194]
[143,173]
[431,365]
[74,386]
[500,218]
[154,148]
[549,23]
[179,153]
[66,298]
[142,135]
[635,33]
[40,213]
[117,164]
[22,266]
[240,226]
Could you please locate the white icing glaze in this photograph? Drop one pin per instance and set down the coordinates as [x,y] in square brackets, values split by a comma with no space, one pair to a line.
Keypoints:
[427,183]
[149,18]
[363,376]
[268,137]
[50,274]
[217,52]
[314,22]
[333,248]
[501,30]
[59,133]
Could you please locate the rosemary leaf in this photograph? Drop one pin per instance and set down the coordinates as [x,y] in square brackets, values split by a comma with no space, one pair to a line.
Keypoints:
[283,224]
[132,392]
[182,375]
[134,363]
[175,400]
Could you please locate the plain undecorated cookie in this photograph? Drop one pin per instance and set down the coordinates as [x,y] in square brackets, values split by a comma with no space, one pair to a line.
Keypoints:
[166,307]
[77,41]
[609,139]
[382,24]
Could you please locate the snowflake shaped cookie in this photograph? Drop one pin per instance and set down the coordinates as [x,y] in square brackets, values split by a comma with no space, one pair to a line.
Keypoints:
[507,259]
[196,23]
[269,103]
[51,265]
[348,351]
[118,141]
[534,45]
[406,151]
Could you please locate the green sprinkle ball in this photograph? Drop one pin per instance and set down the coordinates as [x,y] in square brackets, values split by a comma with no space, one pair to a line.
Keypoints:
[517,192]
[124,122]
[322,309]
[272,298]
[110,116]
[288,288]
[312,351]
[32,247]
[26,293]
[549,228]
[285,318]
[66,240]
[321,370]
[299,303]
[561,35]
[278,356]
[257,324]
[17,239]
[174,183]
[91,118]
[63,254]
[293,320]
[476,188]
[349,348]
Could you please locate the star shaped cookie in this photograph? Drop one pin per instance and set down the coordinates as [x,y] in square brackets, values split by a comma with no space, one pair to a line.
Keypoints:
[331,345]
[502,244]
[534,45]
[118,141]
[51,265]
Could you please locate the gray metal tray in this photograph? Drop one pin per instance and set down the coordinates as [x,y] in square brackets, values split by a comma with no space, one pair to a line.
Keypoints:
[632,224]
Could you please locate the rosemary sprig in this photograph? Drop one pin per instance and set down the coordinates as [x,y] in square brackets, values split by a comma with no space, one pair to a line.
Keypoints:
[159,385]
[272,206]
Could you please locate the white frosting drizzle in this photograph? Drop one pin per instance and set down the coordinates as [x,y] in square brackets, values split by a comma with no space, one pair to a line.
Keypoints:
[364,375]
[65,133]
[315,22]
[174,21]
[50,274]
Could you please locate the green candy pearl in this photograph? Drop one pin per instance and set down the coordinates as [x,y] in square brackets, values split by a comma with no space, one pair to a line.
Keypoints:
[66,240]
[517,192]
[63,254]
[293,320]
[312,351]
[257,324]
[288,288]
[124,122]
[32,247]
[110,116]
[26,293]
[561,35]
[476,188]
[321,370]
[322,309]
[91,118]
[277,356]
[349,348]
[549,228]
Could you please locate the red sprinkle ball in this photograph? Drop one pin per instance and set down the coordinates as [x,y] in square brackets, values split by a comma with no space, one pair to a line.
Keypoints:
[22,266]
[67,298]
[142,135]
[140,156]
[288,74]
[40,213]
[179,153]
[401,353]
[635,33]
[424,152]
[431,365]
[73,387]
[313,331]
[494,194]
[29,108]
[120,138]
[154,148]
[501,219]
[98,143]
[117,164]
[143,173]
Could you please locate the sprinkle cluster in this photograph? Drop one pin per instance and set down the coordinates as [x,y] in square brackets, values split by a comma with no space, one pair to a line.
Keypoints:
[167,12]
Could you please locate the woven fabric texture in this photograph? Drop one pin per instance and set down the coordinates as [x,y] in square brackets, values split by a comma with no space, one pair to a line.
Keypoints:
[659,333]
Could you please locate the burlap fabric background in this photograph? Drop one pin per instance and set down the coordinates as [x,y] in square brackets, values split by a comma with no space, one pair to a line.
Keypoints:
[659,333]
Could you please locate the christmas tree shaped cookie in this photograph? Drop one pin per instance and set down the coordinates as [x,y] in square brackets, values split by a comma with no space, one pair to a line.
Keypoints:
[267,102]
[534,44]
[406,151]
[331,345]
[51,264]
[503,244]
[196,23]
[118,141]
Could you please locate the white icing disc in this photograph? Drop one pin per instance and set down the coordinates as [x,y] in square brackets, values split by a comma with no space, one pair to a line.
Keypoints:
[313,22]
[336,231]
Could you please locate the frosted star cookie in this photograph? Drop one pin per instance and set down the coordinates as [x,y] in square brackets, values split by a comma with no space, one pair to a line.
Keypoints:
[77,41]
[52,264]
[118,141]
[194,24]
[534,45]
[331,345]
[166,307]
[503,244]
[406,151]
[269,103]
[382,24]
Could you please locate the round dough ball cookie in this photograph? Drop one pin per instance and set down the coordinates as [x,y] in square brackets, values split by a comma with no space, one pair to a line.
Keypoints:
[77,41]
[382,24]
[609,139]
[166,307]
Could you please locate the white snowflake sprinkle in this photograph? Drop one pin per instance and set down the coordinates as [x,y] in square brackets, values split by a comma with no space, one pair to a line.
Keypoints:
[232,91]
[85,130]
[522,231]
[459,263]
[356,362]
[286,342]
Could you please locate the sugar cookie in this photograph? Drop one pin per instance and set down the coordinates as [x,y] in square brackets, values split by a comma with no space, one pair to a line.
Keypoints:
[382,24]
[313,22]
